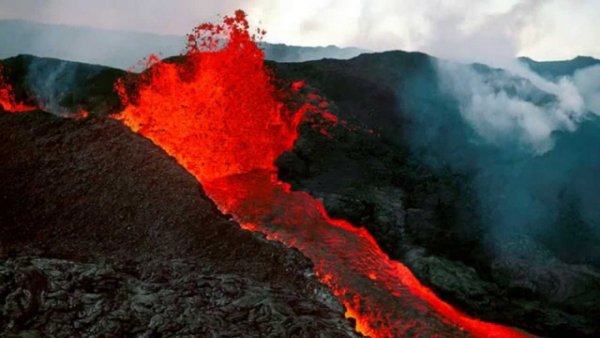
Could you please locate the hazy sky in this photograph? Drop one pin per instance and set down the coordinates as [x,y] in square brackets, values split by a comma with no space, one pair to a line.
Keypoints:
[458,29]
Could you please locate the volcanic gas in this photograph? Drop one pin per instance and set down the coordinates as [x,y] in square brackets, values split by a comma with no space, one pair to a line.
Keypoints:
[217,111]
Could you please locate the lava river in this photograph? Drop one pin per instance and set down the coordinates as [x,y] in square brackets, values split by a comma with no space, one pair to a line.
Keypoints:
[217,111]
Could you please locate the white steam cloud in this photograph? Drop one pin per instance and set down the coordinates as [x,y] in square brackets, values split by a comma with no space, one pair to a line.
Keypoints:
[501,105]
[504,106]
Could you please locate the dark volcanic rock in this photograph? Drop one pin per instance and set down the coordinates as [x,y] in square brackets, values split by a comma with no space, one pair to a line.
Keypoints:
[428,216]
[57,298]
[129,244]
[64,87]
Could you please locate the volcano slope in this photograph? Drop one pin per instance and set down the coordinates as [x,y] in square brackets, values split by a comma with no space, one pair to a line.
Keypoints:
[103,234]
[393,172]
[362,170]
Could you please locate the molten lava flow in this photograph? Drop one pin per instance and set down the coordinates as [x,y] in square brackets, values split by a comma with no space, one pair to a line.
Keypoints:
[383,295]
[7,97]
[217,112]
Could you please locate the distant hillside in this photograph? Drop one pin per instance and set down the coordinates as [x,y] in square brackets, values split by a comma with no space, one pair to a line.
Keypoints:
[285,53]
[123,49]
[554,69]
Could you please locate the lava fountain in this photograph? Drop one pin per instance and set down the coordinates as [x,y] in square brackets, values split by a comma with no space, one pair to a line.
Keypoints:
[218,113]
[7,97]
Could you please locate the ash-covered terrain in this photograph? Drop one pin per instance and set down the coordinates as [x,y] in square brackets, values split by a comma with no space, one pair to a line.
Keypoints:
[503,227]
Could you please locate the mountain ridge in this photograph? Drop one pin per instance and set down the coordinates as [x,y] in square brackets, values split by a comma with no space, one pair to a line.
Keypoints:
[124,49]
[18,36]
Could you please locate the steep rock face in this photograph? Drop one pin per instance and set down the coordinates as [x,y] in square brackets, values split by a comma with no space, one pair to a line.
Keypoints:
[126,222]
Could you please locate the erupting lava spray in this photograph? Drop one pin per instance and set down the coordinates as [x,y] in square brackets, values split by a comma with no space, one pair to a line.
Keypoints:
[218,113]
[7,97]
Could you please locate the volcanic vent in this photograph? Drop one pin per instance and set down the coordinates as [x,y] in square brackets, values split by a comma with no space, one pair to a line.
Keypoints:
[219,114]
[8,102]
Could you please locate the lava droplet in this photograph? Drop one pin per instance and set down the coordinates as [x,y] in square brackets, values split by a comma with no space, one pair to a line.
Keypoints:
[217,112]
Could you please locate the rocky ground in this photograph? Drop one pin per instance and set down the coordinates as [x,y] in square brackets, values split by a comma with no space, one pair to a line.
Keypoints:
[103,234]
[58,298]
[367,173]
[379,192]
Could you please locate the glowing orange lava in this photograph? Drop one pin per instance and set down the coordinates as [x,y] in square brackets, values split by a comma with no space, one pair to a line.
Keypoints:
[7,97]
[217,112]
